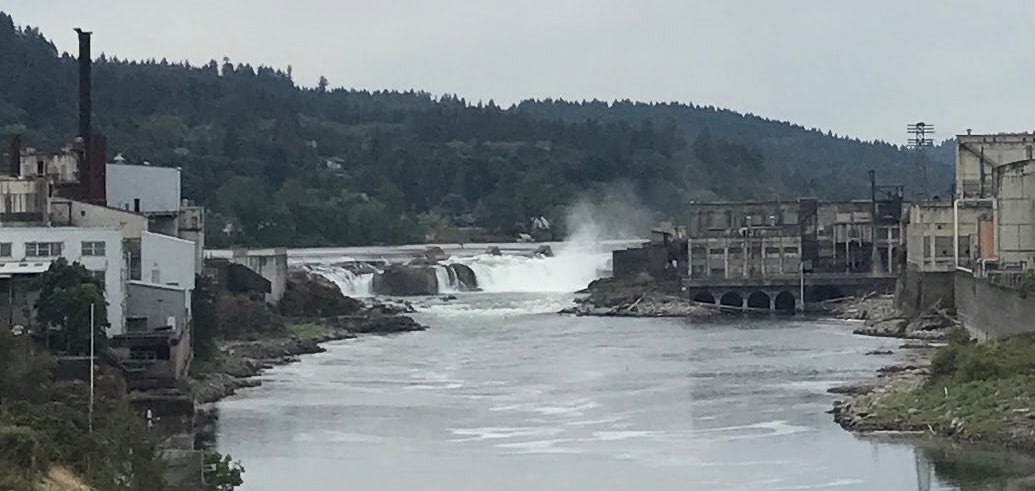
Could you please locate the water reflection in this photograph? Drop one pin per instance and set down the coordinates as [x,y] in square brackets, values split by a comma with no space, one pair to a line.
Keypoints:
[972,467]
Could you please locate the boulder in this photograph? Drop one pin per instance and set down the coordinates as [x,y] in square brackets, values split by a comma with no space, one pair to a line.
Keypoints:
[406,280]
[311,295]
[544,250]
[888,327]
[435,253]
[376,324]
[493,251]
[464,275]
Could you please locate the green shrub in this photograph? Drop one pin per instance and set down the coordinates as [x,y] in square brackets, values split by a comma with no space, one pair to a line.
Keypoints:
[943,363]
[1027,283]
[977,362]
[20,447]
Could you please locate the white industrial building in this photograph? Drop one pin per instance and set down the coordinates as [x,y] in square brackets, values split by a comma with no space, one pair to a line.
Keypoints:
[31,250]
[143,188]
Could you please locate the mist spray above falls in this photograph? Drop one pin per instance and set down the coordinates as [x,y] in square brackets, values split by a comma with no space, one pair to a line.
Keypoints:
[583,257]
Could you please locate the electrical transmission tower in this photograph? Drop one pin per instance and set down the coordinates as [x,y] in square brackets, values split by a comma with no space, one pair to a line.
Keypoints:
[919,141]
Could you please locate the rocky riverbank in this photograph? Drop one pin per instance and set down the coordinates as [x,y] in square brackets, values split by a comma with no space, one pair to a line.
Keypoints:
[312,311]
[881,318]
[236,362]
[615,298]
[944,384]
[964,391]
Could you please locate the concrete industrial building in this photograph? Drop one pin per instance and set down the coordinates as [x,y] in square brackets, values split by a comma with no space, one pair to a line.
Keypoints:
[1015,210]
[46,212]
[978,156]
[271,264]
[26,252]
[775,254]
[762,239]
[971,253]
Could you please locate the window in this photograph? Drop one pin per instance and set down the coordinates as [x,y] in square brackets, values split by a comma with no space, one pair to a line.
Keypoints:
[790,250]
[99,275]
[772,250]
[717,252]
[5,249]
[42,249]
[93,248]
[943,246]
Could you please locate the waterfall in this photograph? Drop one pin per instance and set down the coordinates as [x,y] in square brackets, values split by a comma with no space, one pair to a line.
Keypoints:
[350,283]
[574,266]
[446,280]
[570,270]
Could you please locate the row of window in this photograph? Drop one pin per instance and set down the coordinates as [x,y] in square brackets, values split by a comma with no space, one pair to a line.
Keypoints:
[738,250]
[53,249]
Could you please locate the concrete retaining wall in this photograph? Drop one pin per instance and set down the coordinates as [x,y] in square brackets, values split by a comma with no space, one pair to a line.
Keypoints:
[916,291]
[990,311]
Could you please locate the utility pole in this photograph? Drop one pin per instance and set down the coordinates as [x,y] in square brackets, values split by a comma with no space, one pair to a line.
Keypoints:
[874,254]
[92,340]
[919,141]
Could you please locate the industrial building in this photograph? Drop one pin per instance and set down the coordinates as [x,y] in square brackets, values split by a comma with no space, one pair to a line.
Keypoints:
[775,254]
[971,253]
[125,223]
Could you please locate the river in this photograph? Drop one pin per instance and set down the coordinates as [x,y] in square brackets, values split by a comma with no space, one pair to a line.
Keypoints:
[501,393]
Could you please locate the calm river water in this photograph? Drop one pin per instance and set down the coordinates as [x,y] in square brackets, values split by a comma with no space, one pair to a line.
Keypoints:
[502,394]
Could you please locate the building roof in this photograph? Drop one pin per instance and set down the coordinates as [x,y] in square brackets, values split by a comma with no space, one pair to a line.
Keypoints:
[8,270]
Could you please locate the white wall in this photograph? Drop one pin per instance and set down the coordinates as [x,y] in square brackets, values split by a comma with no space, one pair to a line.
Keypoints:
[998,150]
[157,188]
[78,214]
[166,260]
[62,165]
[270,263]
[111,263]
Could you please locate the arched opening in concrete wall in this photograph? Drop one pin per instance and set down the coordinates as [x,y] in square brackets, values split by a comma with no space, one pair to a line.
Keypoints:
[785,302]
[758,300]
[704,297]
[823,292]
[732,299]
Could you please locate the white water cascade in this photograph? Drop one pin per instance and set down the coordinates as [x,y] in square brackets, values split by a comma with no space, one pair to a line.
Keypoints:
[447,282]
[570,270]
[350,284]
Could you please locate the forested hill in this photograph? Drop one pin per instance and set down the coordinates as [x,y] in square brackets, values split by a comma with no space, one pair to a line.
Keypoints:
[286,165]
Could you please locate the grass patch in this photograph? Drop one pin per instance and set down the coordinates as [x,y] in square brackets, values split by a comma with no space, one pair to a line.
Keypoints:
[307,330]
[976,390]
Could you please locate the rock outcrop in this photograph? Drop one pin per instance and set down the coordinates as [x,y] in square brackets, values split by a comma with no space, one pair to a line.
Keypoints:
[881,318]
[406,280]
[640,298]
[464,276]
[311,295]
[373,323]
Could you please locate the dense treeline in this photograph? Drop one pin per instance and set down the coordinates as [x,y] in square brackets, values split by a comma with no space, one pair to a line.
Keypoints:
[280,164]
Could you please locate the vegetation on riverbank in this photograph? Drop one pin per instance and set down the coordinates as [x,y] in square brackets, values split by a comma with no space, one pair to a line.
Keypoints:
[973,391]
[44,425]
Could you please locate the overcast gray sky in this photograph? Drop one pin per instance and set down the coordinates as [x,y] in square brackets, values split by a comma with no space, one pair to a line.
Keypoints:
[864,69]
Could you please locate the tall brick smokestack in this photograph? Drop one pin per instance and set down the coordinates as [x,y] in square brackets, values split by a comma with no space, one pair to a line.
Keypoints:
[85,101]
[92,164]
[14,162]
